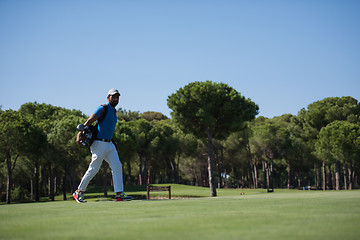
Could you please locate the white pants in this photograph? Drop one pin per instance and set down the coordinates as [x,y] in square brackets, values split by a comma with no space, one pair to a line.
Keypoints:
[103,151]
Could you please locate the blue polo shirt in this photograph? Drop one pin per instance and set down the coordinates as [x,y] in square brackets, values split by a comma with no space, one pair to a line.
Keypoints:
[106,127]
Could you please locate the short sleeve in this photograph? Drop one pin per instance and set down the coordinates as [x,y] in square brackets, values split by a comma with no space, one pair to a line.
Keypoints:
[98,111]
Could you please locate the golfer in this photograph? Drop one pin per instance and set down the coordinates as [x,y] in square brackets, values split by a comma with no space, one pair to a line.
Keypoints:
[103,149]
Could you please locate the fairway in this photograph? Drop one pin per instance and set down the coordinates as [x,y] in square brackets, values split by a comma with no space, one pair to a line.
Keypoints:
[283,214]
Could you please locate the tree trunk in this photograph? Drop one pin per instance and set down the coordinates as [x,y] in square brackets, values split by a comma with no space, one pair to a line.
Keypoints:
[225,179]
[345,176]
[316,176]
[10,169]
[323,169]
[51,184]
[337,175]
[330,178]
[174,168]
[289,176]
[129,172]
[177,180]
[8,188]
[55,181]
[252,166]
[64,185]
[256,177]
[265,175]
[351,179]
[220,169]
[31,189]
[271,176]
[105,180]
[1,185]
[8,180]
[36,182]
[354,175]
[141,171]
[73,187]
[253,178]
[149,176]
[43,184]
[210,164]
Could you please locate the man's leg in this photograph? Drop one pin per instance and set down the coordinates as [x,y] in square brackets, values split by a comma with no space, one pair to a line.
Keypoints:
[116,169]
[117,173]
[96,159]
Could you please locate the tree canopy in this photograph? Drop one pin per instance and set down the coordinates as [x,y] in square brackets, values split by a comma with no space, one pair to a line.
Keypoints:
[211,110]
[212,140]
[202,106]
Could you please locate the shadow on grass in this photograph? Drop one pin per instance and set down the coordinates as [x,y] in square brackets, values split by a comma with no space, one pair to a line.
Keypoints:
[136,191]
[93,192]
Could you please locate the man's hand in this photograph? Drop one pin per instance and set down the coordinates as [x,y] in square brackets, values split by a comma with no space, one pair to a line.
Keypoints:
[78,138]
[81,127]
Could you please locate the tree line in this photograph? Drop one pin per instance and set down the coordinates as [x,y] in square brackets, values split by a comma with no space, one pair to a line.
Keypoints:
[218,144]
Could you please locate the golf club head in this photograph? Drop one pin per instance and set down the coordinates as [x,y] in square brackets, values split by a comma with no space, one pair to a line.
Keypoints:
[80,127]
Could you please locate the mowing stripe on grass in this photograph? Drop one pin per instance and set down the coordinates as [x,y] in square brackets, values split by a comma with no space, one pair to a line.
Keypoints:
[283,215]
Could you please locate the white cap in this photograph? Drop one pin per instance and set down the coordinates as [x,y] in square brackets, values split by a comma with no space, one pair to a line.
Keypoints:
[113,92]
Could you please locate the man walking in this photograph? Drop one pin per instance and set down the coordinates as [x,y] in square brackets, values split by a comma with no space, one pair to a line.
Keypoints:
[103,149]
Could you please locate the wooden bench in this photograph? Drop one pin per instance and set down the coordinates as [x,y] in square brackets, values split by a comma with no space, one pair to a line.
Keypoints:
[156,189]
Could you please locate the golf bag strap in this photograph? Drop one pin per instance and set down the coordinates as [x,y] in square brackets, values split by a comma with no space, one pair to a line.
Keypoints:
[103,112]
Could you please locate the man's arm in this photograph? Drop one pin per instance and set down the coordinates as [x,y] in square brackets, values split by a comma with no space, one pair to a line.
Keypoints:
[88,122]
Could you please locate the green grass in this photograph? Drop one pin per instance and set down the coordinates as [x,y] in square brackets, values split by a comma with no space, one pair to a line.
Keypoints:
[284,214]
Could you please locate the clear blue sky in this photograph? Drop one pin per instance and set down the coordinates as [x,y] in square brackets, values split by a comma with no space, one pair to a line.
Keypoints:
[283,55]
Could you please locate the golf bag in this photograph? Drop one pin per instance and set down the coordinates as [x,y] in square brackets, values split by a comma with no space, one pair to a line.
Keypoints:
[89,133]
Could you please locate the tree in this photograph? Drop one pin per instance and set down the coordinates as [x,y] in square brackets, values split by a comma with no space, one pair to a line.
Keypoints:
[44,115]
[238,158]
[127,143]
[65,153]
[153,116]
[19,137]
[163,147]
[142,129]
[211,110]
[340,142]
[187,146]
[270,139]
[319,114]
[59,126]
[127,116]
